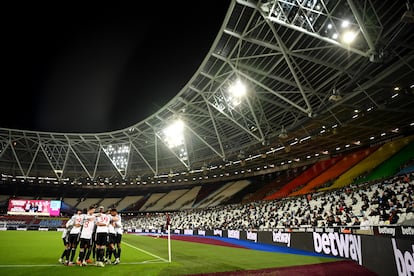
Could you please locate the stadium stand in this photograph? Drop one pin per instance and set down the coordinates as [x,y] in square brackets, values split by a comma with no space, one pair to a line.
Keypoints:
[16,221]
[276,183]
[86,202]
[373,201]
[185,201]
[226,193]
[71,201]
[215,195]
[135,207]
[222,193]
[391,166]
[166,200]
[370,162]
[127,201]
[205,191]
[109,202]
[152,200]
[304,178]
[336,170]
[406,170]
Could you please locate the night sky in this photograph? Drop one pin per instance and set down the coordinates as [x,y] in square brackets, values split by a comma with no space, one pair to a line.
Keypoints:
[95,68]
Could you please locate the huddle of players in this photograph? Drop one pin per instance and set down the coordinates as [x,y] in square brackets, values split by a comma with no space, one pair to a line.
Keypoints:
[98,234]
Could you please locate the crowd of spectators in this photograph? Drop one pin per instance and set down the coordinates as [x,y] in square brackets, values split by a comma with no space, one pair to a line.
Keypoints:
[388,201]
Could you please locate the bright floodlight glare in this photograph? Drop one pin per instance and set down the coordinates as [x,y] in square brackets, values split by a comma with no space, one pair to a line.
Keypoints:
[345,24]
[238,89]
[173,134]
[348,37]
[118,154]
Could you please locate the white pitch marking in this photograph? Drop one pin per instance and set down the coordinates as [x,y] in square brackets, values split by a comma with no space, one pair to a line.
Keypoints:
[146,252]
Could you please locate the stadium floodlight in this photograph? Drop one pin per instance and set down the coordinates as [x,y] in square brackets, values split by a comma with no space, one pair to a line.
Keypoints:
[349,36]
[335,96]
[283,133]
[345,24]
[118,154]
[173,137]
[237,90]
[408,15]
[173,134]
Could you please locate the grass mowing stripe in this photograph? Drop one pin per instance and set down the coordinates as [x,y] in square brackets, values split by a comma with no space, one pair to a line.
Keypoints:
[144,251]
[156,261]
[29,265]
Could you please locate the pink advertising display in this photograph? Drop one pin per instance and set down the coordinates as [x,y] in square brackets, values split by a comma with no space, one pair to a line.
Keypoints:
[29,207]
[55,208]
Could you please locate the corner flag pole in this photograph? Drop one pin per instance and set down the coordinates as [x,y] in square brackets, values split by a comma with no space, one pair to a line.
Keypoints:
[169,244]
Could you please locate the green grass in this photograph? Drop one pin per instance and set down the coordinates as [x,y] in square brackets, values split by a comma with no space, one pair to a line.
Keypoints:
[36,253]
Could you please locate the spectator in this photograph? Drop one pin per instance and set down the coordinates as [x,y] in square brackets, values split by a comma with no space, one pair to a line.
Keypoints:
[348,218]
[410,207]
[393,218]
[356,221]
[338,221]
[374,212]
[364,223]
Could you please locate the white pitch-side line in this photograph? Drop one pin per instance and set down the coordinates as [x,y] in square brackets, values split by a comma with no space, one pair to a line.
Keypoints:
[144,262]
[146,252]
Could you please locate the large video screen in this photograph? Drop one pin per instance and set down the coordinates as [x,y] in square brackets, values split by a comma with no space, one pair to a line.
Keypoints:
[55,208]
[34,207]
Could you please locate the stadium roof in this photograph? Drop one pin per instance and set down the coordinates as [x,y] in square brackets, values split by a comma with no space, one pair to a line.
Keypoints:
[310,92]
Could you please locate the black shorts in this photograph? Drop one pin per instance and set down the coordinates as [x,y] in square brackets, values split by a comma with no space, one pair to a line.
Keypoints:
[73,238]
[118,238]
[65,240]
[85,243]
[101,239]
[111,238]
[93,238]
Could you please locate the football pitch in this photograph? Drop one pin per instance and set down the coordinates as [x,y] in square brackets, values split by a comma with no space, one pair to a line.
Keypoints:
[37,253]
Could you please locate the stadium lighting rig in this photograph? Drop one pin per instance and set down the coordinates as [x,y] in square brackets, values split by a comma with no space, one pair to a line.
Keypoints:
[173,137]
[237,91]
[173,134]
[283,133]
